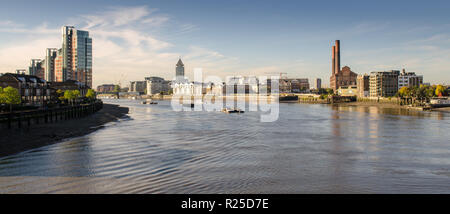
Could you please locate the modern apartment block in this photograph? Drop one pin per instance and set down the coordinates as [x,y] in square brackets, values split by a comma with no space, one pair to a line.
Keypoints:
[362,85]
[76,55]
[294,85]
[73,61]
[383,83]
[138,86]
[406,79]
[49,65]
[106,88]
[318,83]
[59,67]
[36,68]
[156,85]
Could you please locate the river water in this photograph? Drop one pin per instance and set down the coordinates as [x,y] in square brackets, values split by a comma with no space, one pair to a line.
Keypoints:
[309,149]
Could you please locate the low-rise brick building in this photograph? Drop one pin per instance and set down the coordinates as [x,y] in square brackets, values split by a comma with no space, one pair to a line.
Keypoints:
[32,89]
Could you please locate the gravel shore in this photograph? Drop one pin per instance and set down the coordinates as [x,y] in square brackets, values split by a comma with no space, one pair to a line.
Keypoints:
[18,140]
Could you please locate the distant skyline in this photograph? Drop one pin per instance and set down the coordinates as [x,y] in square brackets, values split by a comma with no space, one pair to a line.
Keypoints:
[135,39]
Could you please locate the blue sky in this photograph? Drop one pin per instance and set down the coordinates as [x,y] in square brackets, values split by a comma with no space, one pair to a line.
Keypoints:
[134,39]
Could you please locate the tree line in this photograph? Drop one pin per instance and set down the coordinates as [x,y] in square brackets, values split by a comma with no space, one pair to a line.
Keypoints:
[11,96]
[423,91]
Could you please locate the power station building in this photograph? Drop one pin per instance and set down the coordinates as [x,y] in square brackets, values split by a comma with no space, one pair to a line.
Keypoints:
[340,78]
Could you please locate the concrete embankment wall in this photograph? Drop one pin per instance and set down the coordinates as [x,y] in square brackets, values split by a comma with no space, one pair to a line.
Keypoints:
[391,100]
[313,100]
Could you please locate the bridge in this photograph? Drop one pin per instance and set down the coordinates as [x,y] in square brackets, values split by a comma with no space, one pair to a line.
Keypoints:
[104,94]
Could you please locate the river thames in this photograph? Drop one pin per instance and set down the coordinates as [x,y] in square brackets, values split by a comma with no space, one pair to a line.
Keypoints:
[309,149]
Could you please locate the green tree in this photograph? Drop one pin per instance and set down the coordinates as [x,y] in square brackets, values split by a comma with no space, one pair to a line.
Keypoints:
[76,94]
[11,96]
[116,88]
[68,95]
[90,94]
[429,91]
[329,91]
[440,90]
[2,96]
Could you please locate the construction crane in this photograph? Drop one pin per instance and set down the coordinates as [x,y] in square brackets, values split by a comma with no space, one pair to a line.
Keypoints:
[119,82]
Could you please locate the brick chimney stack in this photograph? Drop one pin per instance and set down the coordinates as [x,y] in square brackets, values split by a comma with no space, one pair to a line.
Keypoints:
[337,57]
[333,58]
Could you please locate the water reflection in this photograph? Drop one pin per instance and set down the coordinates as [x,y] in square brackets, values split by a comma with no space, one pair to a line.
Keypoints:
[310,149]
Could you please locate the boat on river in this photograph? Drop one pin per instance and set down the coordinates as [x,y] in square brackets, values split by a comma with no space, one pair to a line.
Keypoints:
[232,110]
[149,102]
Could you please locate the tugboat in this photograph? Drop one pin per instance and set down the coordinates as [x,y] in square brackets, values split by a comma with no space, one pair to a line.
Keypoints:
[234,110]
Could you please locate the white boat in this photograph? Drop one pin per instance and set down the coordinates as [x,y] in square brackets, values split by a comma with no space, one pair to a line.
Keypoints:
[232,110]
[149,101]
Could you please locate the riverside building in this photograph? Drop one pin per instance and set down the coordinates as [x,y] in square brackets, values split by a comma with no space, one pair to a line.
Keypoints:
[383,83]
[318,83]
[362,85]
[73,61]
[106,88]
[138,86]
[33,90]
[406,79]
[344,77]
[36,68]
[49,65]
[76,55]
[157,85]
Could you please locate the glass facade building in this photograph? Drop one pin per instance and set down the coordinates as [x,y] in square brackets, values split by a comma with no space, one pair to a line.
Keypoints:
[77,55]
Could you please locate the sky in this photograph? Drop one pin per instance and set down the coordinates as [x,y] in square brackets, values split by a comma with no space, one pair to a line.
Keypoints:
[136,39]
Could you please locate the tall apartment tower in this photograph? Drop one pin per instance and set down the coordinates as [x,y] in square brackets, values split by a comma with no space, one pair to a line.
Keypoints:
[59,70]
[36,68]
[318,83]
[50,56]
[76,55]
[179,71]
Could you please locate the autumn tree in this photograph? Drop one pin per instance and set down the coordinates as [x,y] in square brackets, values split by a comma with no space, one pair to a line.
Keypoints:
[404,91]
[440,90]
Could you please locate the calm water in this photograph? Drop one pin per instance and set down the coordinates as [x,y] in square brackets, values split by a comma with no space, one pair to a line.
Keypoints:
[310,149]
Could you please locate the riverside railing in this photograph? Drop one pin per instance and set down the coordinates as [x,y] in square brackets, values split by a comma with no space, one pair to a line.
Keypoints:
[25,119]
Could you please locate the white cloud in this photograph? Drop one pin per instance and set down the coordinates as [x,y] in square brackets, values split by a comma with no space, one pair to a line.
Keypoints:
[12,27]
[124,49]
[18,56]
[7,23]
[116,17]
